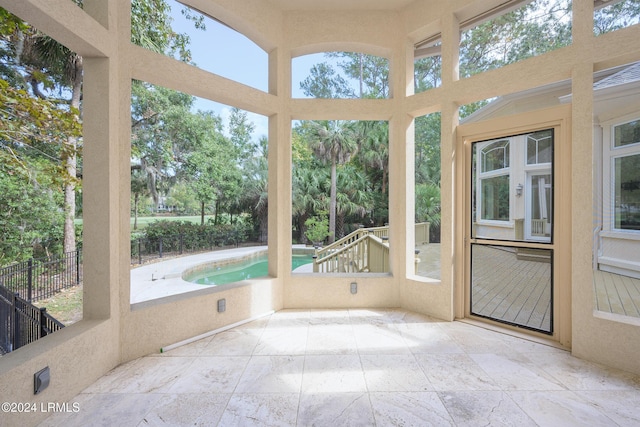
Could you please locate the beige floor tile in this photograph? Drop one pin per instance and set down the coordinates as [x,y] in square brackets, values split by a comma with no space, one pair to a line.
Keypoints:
[232,343]
[621,406]
[146,375]
[484,408]
[560,408]
[393,372]
[187,409]
[409,409]
[515,372]
[211,375]
[333,374]
[272,374]
[272,409]
[358,367]
[577,374]
[331,339]
[454,372]
[282,340]
[106,410]
[378,339]
[335,409]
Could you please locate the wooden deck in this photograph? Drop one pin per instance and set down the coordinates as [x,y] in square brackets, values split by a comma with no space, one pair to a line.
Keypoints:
[429,265]
[613,293]
[511,289]
[617,294]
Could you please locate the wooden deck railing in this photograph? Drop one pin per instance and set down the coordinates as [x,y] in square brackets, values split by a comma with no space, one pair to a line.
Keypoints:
[366,254]
[364,250]
[350,238]
[537,227]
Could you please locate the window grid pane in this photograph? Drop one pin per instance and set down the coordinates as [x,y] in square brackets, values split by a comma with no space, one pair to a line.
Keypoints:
[626,134]
[495,156]
[627,192]
[495,198]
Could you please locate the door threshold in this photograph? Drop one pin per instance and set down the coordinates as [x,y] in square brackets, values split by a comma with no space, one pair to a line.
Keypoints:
[514,333]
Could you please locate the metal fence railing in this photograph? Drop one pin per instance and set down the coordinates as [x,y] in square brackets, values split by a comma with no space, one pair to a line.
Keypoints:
[21,322]
[150,248]
[38,279]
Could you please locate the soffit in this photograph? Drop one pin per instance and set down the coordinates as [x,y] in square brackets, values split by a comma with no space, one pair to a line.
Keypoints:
[311,5]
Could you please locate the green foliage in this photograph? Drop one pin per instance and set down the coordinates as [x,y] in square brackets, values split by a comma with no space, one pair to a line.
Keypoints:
[194,236]
[427,203]
[373,153]
[325,83]
[164,131]
[32,128]
[240,130]
[616,16]
[317,228]
[427,149]
[183,198]
[427,73]
[371,72]
[538,27]
[151,29]
[212,169]
[23,198]
[368,73]
[253,197]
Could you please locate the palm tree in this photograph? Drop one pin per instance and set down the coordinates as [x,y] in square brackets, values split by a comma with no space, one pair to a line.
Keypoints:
[354,197]
[255,188]
[427,205]
[308,198]
[333,142]
[374,151]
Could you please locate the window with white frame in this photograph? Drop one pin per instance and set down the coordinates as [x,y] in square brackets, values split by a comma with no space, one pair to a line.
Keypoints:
[622,155]
[494,181]
[540,147]
[513,187]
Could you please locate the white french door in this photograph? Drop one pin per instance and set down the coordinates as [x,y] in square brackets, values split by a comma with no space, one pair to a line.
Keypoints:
[539,204]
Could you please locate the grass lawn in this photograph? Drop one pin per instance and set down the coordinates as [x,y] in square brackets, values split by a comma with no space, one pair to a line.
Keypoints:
[65,306]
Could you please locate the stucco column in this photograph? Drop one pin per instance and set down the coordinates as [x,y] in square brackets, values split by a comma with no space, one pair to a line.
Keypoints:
[451,219]
[279,176]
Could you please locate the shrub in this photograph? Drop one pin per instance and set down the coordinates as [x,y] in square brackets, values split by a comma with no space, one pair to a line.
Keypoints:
[317,229]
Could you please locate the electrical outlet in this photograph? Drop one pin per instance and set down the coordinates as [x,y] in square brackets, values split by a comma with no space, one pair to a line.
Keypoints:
[222,305]
[354,288]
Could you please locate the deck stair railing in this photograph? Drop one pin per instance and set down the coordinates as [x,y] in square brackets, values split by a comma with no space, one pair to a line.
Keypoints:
[350,238]
[367,253]
[364,250]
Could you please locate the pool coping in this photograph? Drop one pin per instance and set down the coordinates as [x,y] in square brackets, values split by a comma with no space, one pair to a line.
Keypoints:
[152,282]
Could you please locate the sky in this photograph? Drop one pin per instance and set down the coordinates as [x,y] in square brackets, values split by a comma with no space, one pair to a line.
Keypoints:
[229,54]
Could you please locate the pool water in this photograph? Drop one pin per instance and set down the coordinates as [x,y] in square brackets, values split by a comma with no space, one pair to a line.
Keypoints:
[243,270]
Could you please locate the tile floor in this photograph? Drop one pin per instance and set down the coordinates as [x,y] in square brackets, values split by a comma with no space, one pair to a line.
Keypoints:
[359,368]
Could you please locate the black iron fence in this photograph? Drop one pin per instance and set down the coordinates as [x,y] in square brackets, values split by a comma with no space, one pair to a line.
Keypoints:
[41,278]
[23,283]
[21,322]
[37,279]
[150,248]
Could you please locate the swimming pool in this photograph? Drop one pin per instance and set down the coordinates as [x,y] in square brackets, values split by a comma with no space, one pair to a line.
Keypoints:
[230,272]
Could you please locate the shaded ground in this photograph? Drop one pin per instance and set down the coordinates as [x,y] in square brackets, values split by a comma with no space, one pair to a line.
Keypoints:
[65,306]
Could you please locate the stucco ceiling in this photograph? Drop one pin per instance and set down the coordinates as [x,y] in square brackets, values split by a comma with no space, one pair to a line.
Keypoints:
[340,4]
